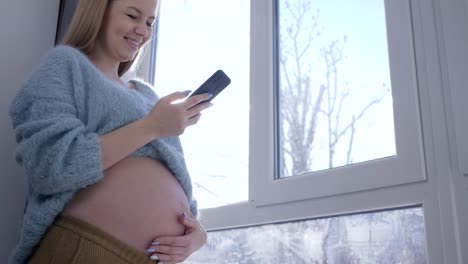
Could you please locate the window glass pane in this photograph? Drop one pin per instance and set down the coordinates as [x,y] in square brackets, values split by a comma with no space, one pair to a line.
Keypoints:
[196,38]
[334,84]
[388,237]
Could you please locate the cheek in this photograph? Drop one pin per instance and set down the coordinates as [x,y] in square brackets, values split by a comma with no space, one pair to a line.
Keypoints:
[121,28]
[146,39]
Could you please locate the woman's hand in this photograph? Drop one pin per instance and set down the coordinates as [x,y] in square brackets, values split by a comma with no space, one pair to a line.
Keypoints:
[170,119]
[176,249]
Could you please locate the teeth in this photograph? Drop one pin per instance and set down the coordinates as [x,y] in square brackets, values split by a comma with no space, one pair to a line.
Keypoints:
[134,41]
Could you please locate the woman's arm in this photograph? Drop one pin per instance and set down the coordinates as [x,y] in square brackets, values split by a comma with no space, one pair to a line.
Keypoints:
[165,119]
[121,142]
[57,151]
[54,146]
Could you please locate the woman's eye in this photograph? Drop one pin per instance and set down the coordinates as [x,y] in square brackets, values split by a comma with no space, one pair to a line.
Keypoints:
[131,16]
[149,24]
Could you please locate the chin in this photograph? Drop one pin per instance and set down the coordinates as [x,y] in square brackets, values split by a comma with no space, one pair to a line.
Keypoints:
[127,54]
[127,57]
[133,55]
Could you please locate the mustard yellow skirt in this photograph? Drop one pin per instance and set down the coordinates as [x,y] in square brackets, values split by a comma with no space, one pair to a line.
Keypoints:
[73,241]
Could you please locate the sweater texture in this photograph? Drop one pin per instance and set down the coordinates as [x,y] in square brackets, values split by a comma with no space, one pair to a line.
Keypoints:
[58,115]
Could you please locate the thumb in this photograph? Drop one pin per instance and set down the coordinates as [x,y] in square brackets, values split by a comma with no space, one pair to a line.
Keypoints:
[176,96]
[187,221]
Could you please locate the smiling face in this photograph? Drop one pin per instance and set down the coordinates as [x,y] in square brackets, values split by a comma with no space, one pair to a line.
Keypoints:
[126,28]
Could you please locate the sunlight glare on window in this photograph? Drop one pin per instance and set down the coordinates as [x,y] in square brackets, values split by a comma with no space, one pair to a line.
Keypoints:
[196,38]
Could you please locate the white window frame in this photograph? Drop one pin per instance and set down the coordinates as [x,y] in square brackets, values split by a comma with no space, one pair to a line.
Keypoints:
[405,167]
[428,40]
[457,69]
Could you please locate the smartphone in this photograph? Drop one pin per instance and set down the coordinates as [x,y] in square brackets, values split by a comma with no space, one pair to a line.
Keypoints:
[214,85]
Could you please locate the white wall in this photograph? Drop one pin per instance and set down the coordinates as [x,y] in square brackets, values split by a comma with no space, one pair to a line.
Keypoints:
[27,30]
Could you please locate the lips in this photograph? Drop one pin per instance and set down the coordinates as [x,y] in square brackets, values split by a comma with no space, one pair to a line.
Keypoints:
[134,44]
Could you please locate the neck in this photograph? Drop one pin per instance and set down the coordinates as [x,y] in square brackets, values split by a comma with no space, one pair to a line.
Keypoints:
[106,64]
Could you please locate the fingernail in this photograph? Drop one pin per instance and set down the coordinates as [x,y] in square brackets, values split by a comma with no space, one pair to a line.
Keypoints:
[154,257]
[151,250]
[155,243]
[184,214]
[210,95]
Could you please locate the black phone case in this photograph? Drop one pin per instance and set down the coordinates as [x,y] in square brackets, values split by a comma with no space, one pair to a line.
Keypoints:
[214,85]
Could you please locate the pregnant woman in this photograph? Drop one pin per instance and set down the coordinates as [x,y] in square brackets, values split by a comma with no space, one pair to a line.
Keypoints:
[106,173]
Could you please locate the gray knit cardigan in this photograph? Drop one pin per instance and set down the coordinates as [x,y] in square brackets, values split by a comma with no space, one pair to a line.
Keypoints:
[58,115]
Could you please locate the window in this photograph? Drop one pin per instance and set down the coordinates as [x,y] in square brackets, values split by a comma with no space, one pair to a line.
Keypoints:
[309,64]
[389,237]
[382,170]
[333,85]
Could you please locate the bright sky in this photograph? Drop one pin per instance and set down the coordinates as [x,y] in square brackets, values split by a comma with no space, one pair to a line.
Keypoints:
[198,37]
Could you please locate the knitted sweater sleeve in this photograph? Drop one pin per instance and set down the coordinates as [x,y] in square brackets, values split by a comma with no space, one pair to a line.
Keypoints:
[54,146]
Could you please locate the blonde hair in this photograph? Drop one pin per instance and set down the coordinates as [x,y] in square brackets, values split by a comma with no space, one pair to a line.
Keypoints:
[85,26]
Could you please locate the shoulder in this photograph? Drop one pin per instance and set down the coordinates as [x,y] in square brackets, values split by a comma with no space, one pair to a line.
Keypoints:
[60,62]
[57,62]
[53,73]
[65,51]
[61,55]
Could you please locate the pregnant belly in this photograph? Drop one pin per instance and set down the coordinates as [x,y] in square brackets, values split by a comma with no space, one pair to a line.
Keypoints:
[137,200]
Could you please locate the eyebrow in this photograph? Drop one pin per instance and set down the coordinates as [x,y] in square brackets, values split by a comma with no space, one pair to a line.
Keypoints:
[139,11]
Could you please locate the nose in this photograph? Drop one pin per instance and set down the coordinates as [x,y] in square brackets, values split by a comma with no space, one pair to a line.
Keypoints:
[142,29]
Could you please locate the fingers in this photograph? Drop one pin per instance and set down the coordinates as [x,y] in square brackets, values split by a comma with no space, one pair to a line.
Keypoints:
[194,119]
[176,249]
[170,118]
[175,96]
[175,241]
[166,259]
[169,249]
[189,102]
[194,100]
[198,108]
[168,254]
[192,105]
[188,221]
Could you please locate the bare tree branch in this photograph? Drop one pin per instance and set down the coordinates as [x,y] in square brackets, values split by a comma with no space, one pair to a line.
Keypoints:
[351,139]
[359,116]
